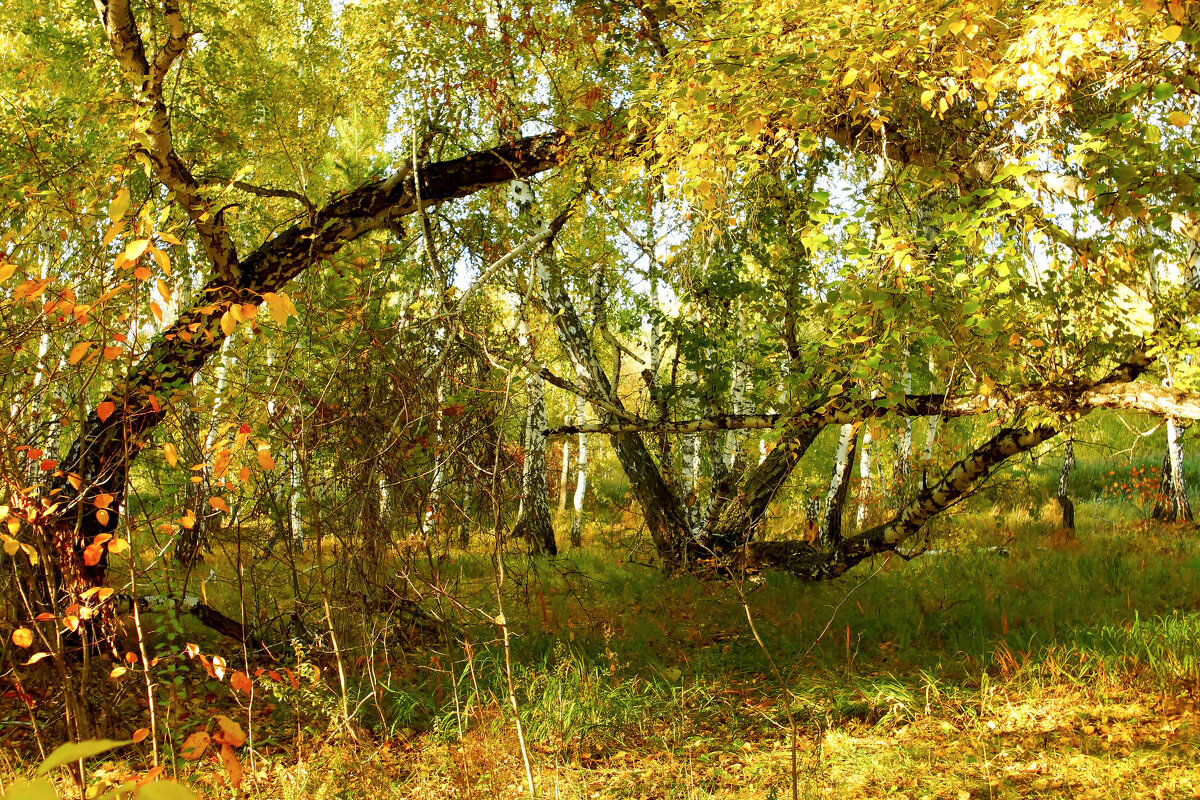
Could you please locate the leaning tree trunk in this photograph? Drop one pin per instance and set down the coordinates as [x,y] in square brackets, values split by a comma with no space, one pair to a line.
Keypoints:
[93,475]
[839,487]
[664,511]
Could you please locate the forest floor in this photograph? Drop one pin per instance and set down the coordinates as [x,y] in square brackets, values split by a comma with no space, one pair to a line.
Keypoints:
[1046,668]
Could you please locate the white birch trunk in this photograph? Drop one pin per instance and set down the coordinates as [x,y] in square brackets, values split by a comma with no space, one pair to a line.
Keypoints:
[864,473]
[581,476]
[565,472]
[835,497]
[737,395]
[932,431]
[295,517]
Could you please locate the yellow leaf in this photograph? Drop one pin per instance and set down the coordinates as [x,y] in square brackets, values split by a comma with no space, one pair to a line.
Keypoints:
[957,26]
[119,205]
[134,250]
[234,736]
[1172,32]
[171,454]
[117,672]
[164,290]
[228,324]
[1179,118]
[78,352]
[6,270]
[118,545]
[849,77]
[188,520]
[280,307]
[164,263]
[156,310]
[927,98]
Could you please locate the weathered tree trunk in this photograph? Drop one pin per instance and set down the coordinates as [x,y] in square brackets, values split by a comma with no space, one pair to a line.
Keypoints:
[1064,477]
[1171,504]
[904,441]
[738,520]
[932,430]
[839,486]
[737,396]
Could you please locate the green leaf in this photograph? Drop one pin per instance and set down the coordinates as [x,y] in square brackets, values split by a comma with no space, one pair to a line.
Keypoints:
[165,790]
[40,789]
[66,753]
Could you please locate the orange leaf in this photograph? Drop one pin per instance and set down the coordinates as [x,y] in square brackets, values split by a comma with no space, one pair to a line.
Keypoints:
[112,353]
[139,734]
[194,746]
[152,774]
[244,474]
[92,553]
[221,463]
[241,682]
[103,500]
[105,410]
[102,517]
[142,273]
[153,401]
[232,766]
[156,310]
[78,352]
[264,457]
[219,504]
[22,637]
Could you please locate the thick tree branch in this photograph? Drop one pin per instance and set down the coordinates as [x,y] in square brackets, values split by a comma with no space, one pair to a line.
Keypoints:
[809,563]
[98,461]
[153,130]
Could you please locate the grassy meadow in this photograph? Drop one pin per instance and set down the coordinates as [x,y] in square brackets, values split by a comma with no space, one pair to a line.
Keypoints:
[1009,661]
